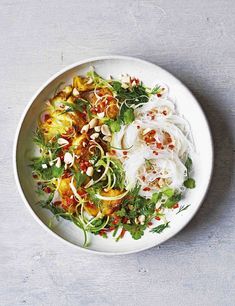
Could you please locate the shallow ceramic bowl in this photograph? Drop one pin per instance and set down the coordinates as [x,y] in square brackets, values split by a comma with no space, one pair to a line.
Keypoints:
[150,74]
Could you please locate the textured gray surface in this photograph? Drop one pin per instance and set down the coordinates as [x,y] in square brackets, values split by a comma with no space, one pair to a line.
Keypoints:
[195,40]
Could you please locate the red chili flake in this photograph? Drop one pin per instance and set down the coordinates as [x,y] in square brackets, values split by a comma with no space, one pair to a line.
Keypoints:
[66,174]
[112,228]
[46,117]
[35,176]
[143,178]
[122,233]
[152,132]
[171,147]
[83,193]
[125,152]
[159,95]
[116,220]
[150,223]
[176,205]
[164,113]
[57,203]
[99,109]
[146,189]
[70,201]
[158,218]
[135,80]
[113,152]
[138,127]
[155,152]
[125,219]
[65,148]
[152,117]
[109,99]
[154,172]
[102,232]
[39,183]
[159,145]
[47,189]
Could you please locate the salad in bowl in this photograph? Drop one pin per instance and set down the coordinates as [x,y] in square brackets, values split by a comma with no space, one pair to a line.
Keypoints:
[113,156]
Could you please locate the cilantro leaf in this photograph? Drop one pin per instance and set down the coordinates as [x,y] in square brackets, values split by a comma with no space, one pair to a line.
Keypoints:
[172,200]
[155,197]
[121,212]
[168,192]
[190,183]
[114,125]
[136,230]
[128,116]
[134,95]
[79,178]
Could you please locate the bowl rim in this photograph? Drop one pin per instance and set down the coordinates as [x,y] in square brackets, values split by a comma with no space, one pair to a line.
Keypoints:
[18,129]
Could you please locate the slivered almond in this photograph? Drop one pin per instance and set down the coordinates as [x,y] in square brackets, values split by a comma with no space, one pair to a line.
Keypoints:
[141,219]
[146,131]
[75,92]
[105,130]
[100,115]
[85,129]
[68,158]
[94,136]
[58,163]
[90,171]
[93,123]
[62,142]
[107,138]
[97,128]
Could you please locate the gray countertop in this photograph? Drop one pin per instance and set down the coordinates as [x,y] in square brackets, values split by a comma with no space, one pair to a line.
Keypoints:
[194,40]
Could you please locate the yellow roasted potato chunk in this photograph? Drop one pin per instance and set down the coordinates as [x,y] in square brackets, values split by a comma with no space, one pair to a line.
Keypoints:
[91,209]
[77,143]
[81,84]
[107,207]
[112,109]
[64,188]
[67,90]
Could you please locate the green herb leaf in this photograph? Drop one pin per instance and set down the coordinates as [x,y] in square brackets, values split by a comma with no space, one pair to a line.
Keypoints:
[190,183]
[188,164]
[158,229]
[129,116]
[97,79]
[114,125]
[182,208]
[168,192]
[136,230]
[134,95]
[172,200]
[121,213]
[156,197]
[155,90]
[79,178]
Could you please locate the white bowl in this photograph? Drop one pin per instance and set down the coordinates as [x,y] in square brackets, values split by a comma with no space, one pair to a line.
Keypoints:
[150,74]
